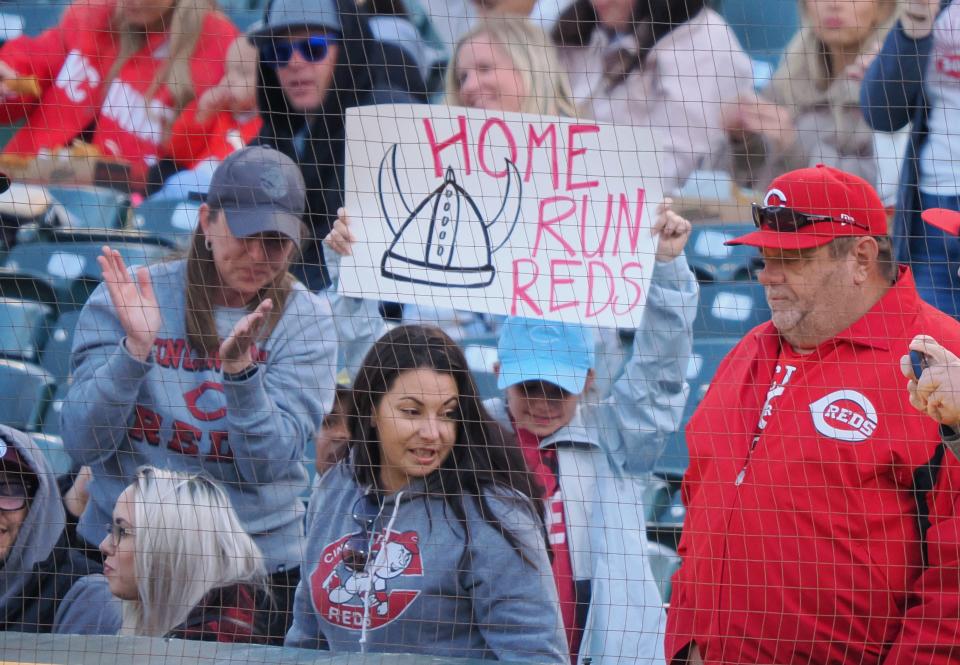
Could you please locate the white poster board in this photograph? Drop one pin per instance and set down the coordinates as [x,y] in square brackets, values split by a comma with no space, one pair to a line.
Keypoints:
[500,213]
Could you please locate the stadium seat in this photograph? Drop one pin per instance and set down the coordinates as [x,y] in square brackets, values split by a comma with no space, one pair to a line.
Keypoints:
[23,328]
[55,357]
[51,417]
[730,309]
[664,562]
[763,26]
[708,352]
[174,220]
[656,493]
[57,457]
[712,261]
[67,256]
[92,207]
[22,286]
[673,513]
[24,392]
[481,354]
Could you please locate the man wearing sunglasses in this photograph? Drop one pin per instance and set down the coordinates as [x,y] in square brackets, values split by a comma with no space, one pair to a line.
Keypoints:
[314,65]
[822,520]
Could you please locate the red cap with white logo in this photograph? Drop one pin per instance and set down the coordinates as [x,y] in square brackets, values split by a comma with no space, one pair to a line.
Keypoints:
[847,204]
[943,219]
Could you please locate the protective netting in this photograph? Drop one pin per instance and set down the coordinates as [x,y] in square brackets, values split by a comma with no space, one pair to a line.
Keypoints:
[591,331]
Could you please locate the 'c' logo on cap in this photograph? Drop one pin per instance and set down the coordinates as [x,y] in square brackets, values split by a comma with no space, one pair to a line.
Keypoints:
[545,335]
[775,198]
[273,183]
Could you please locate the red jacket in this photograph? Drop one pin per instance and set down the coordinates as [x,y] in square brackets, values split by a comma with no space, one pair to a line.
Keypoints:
[71,62]
[816,556]
[220,136]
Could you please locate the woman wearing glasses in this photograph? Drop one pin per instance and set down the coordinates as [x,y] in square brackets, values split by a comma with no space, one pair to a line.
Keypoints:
[180,563]
[314,65]
[425,540]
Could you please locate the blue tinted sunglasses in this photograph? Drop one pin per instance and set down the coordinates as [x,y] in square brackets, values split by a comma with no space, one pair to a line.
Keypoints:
[277,52]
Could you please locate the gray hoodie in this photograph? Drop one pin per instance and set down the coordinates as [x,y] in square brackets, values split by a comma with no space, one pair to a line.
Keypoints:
[177,412]
[38,570]
[428,588]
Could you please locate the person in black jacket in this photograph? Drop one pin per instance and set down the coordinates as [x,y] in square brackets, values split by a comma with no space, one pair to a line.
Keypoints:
[317,59]
[37,567]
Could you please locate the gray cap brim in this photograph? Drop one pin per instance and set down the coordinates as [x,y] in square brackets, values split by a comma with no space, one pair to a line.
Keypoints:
[246,222]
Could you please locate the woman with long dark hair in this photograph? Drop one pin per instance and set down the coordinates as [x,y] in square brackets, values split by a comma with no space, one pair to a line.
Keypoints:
[426,540]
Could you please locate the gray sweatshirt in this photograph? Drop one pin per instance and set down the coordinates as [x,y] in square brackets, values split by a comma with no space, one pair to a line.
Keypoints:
[175,411]
[428,589]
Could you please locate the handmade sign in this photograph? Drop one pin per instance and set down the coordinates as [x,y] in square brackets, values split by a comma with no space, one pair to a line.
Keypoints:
[500,213]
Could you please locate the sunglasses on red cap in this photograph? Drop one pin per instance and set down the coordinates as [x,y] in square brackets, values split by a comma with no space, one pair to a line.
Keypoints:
[787,220]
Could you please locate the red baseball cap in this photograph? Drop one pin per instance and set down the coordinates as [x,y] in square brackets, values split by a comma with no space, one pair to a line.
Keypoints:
[848,204]
[943,219]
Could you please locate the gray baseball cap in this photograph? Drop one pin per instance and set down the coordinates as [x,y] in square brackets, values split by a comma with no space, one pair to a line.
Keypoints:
[291,14]
[260,190]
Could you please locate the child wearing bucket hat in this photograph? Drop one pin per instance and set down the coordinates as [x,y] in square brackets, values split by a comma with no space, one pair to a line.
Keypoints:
[585,456]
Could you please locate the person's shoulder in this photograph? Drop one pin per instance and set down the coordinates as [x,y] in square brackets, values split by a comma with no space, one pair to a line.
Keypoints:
[509,505]
[85,15]
[217,24]
[304,302]
[942,327]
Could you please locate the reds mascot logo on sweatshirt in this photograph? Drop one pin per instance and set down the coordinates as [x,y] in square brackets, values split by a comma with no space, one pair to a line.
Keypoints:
[339,593]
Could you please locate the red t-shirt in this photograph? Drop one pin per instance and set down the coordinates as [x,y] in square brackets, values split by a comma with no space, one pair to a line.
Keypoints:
[542,464]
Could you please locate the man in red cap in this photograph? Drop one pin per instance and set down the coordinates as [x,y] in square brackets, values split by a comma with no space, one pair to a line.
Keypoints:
[822,523]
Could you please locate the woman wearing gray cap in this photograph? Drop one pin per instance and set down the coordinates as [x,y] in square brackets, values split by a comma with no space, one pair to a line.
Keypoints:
[214,363]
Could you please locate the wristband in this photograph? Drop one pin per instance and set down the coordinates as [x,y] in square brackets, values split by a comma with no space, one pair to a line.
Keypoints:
[243,374]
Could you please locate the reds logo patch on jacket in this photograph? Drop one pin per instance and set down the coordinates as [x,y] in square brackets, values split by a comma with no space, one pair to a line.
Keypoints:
[803,541]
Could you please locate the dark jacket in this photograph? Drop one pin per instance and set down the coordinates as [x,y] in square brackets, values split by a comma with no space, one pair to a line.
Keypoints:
[891,96]
[368,72]
[227,614]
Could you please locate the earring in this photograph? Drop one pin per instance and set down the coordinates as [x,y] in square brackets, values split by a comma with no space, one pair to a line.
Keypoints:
[208,244]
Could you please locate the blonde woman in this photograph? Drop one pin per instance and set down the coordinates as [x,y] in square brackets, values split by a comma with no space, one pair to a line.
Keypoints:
[810,113]
[508,64]
[179,562]
[126,68]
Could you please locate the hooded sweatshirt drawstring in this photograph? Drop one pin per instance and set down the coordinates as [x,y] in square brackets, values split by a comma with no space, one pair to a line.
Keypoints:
[369,573]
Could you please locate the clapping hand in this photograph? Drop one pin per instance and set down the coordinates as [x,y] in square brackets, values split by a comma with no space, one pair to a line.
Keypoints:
[236,351]
[134,302]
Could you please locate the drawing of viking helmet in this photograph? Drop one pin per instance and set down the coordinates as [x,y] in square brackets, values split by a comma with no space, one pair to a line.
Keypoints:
[445,240]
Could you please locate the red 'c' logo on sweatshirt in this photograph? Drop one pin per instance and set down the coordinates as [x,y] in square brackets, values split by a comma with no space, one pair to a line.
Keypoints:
[949,65]
[339,594]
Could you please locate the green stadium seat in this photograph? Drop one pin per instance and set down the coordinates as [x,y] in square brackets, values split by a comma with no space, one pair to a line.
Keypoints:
[92,207]
[23,328]
[712,261]
[730,309]
[51,417]
[664,562]
[53,450]
[708,353]
[55,357]
[24,393]
[68,256]
[174,220]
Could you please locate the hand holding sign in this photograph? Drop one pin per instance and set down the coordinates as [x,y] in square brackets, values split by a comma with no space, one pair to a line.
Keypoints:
[672,232]
[341,239]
